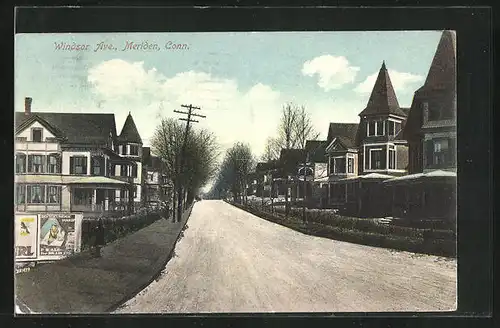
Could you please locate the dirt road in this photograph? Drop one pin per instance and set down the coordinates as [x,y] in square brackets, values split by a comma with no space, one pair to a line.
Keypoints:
[232,261]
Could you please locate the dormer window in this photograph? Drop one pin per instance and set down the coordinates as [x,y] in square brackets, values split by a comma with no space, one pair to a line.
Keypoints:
[134,150]
[36,134]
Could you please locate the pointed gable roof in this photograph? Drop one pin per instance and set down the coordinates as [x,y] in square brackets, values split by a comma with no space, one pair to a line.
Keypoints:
[383,98]
[442,73]
[129,131]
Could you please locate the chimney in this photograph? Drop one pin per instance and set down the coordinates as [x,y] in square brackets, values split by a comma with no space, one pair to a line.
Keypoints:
[27,105]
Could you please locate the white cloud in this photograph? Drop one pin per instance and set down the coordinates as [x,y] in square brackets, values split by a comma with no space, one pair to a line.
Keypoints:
[401,81]
[333,72]
[232,113]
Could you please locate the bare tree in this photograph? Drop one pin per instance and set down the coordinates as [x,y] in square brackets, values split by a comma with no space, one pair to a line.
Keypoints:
[304,131]
[200,153]
[271,150]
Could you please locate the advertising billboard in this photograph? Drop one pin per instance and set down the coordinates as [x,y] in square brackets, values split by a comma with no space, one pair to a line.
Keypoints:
[59,235]
[26,231]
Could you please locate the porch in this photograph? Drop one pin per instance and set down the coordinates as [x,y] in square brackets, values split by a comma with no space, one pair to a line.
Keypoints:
[101,197]
[428,196]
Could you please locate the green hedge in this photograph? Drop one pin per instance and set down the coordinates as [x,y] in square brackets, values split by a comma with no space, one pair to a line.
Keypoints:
[115,228]
[365,232]
[368,225]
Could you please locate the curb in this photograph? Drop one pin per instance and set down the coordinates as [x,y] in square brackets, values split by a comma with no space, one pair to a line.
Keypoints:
[160,263]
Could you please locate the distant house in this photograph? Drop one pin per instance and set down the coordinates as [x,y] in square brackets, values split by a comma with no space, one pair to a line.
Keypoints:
[285,177]
[316,173]
[157,187]
[72,162]
[342,155]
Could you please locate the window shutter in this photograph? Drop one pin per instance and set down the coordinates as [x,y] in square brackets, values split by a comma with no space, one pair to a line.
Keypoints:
[28,194]
[85,160]
[429,153]
[72,165]
[102,165]
[134,171]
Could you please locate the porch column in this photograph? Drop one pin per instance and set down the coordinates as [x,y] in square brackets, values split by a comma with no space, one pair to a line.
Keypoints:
[106,199]
[94,198]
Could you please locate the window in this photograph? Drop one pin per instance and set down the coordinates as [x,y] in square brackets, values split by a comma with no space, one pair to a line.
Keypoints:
[53,165]
[135,191]
[440,151]
[371,128]
[339,165]
[123,170]
[391,128]
[380,128]
[35,194]
[35,163]
[20,194]
[20,163]
[120,149]
[376,159]
[53,194]
[124,149]
[21,139]
[350,164]
[134,171]
[78,165]
[392,157]
[134,150]
[36,134]
[97,167]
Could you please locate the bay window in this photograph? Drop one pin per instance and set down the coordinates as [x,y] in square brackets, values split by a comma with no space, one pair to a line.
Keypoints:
[350,164]
[376,156]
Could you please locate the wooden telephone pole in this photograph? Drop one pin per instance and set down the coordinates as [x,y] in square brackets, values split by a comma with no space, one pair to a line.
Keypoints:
[182,163]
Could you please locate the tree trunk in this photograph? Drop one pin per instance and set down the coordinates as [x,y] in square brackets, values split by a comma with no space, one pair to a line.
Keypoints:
[174,205]
[179,203]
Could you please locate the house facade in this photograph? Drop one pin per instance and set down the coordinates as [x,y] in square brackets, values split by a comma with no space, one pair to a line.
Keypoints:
[157,187]
[342,156]
[431,129]
[70,162]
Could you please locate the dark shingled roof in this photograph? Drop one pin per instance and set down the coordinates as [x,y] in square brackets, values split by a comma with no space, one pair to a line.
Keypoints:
[316,150]
[383,99]
[93,128]
[129,131]
[347,132]
[442,73]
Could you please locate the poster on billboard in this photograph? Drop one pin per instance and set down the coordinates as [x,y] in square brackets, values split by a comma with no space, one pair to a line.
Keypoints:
[59,235]
[26,228]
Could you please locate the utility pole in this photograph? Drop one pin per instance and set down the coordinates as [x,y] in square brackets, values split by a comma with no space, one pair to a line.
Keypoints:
[188,120]
[306,159]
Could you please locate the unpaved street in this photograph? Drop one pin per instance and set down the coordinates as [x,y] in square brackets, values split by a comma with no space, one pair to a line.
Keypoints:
[232,261]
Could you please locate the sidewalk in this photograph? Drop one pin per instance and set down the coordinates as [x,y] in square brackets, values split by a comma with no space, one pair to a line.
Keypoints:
[83,284]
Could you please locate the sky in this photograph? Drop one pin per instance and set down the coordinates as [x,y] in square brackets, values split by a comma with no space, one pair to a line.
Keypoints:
[239,80]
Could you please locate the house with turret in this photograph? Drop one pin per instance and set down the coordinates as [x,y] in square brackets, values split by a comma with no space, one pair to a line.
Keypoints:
[74,162]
